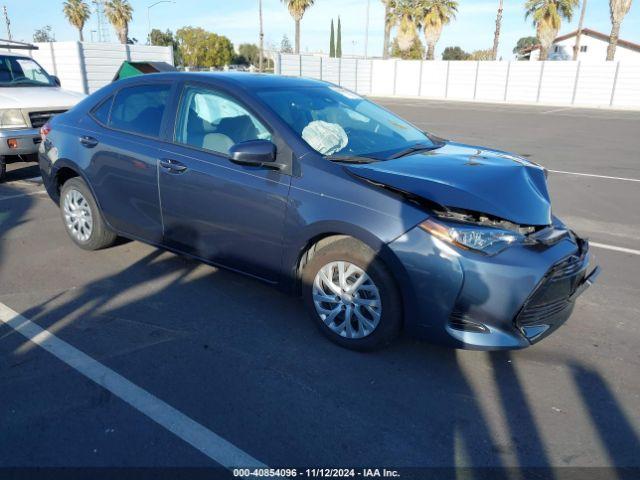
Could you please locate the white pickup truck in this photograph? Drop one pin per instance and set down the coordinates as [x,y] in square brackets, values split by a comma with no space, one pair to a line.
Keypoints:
[29,96]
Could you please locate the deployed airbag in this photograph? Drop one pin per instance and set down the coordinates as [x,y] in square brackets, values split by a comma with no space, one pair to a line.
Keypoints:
[324,137]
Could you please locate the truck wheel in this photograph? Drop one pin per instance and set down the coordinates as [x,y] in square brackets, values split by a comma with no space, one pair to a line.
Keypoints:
[82,218]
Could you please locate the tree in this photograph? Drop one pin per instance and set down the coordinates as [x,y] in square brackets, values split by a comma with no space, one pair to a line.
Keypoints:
[618,9]
[119,14]
[576,46]
[482,55]
[250,53]
[496,35]
[454,53]
[285,45]
[390,21]
[297,9]
[433,15]
[77,12]
[406,14]
[165,39]
[44,34]
[261,52]
[547,18]
[332,42]
[339,40]
[415,52]
[524,45]
[200,48]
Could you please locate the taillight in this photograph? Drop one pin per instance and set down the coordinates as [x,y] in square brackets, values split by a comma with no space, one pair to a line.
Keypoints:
[44,131]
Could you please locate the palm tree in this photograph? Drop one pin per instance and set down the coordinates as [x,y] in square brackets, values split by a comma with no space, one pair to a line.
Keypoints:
[618,8]
[406,18]
[119,13]
[433,15]
[496,35]
[576,47]
[77,12]
[390,21]
[297,9]
[547,18]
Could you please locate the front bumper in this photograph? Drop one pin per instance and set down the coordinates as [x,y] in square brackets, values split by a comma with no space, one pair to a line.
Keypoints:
[28,140]
[507,301]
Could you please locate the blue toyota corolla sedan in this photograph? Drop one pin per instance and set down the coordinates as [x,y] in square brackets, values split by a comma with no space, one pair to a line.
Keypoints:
[380,226]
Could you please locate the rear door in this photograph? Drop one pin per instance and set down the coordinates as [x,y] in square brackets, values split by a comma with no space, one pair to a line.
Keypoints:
[228,214]
[123,158]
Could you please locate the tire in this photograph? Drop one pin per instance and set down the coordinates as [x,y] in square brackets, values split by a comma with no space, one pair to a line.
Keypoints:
[87,230]
[3,169]
[378,289]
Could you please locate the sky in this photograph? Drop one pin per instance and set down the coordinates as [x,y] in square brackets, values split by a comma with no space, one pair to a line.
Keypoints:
[238,19]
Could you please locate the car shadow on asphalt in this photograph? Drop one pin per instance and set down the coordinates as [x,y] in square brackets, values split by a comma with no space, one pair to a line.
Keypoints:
[244,360]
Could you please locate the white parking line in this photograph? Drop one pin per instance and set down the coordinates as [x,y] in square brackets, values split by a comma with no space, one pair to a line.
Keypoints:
[206,441]
[614,248]
[27,194]
[596,176]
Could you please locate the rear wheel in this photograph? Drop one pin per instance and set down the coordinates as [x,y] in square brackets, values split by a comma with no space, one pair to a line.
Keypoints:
[352,295]
[82,218]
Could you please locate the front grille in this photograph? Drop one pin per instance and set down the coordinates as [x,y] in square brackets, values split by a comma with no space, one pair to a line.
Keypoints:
[38,119]
[551,303]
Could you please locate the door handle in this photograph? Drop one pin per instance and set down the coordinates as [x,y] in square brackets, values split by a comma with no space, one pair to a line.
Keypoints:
[173,166]
[87,141]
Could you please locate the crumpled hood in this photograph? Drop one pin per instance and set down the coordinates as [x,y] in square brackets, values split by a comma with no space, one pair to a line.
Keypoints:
[38,97]
[470,178]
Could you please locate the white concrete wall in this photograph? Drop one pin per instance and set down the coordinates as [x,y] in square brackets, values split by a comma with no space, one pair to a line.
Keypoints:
[581,83]
[85,67]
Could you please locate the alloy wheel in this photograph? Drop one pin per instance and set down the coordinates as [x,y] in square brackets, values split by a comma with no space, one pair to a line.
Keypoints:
[77,215]
[347,300]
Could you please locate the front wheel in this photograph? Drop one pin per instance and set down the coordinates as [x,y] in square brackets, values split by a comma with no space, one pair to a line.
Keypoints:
[82,218]
[3,169]
[352,295]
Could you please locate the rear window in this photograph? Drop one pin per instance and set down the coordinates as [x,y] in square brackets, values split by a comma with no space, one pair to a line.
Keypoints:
[101,112]
[139,109]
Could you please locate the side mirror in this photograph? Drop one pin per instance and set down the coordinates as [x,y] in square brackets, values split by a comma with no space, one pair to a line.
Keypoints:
[56,80]
[260,153]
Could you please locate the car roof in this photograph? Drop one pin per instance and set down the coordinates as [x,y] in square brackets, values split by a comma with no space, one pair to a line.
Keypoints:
[249,81]
[13,54]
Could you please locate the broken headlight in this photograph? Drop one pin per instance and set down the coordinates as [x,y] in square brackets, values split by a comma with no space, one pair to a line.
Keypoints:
[486,240]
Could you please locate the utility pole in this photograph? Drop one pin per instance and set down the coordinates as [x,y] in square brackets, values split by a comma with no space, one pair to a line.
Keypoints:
[576,47]
[261,37]
[366,32]
[6,18]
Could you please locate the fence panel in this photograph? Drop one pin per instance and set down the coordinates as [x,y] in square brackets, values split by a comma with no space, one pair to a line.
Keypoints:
[462,80]
[384,78]
[331,70]
[364,77]
[523,81]
[558,82]
[408,78]
[595,83]
[492,81]
[348,73]
[290,65]
[434,79]
[311,66]
[627,92]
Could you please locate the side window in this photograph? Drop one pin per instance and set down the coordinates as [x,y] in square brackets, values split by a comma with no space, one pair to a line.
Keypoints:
[101,111]
[139,109]
[215,122]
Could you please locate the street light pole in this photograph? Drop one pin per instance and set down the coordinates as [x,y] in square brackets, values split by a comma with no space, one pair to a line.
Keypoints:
[261,37]
[366,33]
[149,16]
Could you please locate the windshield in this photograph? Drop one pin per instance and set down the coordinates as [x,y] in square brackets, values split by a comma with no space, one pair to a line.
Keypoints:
[339,123]
[22,72]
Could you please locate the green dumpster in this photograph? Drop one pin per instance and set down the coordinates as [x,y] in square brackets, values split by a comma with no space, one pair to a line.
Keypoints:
[133,69]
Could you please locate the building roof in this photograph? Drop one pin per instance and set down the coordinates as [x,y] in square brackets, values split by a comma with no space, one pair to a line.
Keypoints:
[600,36]
[593,34]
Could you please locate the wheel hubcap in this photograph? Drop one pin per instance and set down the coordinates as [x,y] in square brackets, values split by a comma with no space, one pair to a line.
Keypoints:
[77,215]
[347,300]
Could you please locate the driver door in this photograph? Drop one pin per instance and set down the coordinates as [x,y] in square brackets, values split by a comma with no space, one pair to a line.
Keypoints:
[228,214]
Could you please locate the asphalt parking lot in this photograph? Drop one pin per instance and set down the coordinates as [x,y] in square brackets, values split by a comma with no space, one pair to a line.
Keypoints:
[246,366]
